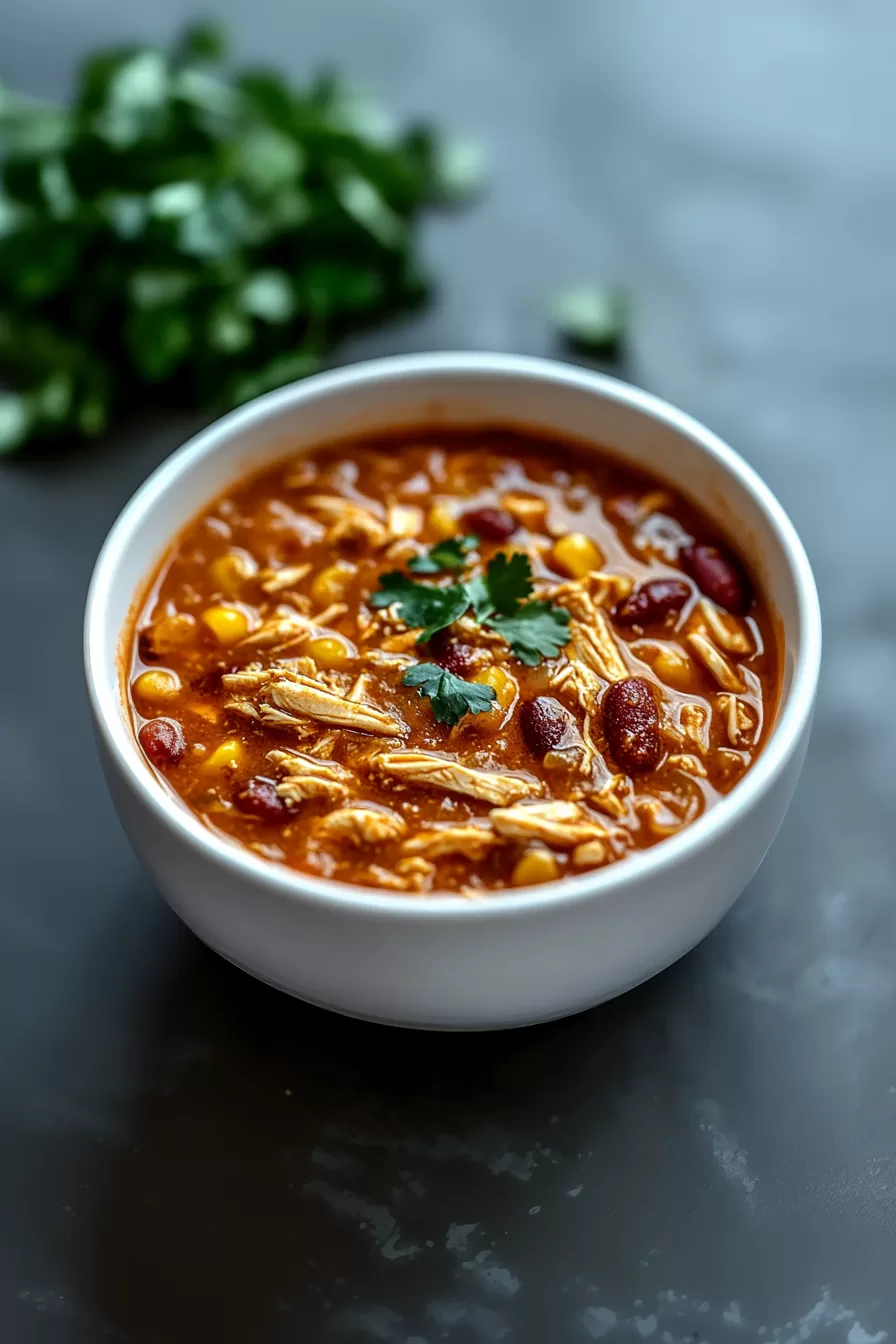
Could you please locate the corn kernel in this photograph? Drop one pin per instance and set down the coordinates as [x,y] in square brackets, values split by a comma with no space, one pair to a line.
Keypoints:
[536,866]
[330,584]
[172,632]
[501,682]
[590,854]
[577,554]
[230,571]
[157,686]
[226,756]
[328,652]
[227,624]
[673,667]
[528,510]
[442,522]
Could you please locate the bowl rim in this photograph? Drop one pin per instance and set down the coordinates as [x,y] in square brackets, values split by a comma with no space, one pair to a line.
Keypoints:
[794,712]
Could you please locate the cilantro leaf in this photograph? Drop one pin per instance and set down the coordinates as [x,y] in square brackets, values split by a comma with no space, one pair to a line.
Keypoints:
[508,579]
[450,554]
[592,318]
[535,631]
[451,697]
[181,233]
[477,591]
[421,603]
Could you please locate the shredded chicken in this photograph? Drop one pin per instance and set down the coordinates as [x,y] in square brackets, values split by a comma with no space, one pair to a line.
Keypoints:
[473,840]
[418,873]
[738,720]
[278,632]
[562,825]
[280,580]
[595,646]
[579,681]
[612,797]
[424,769]
[596,589]
[715,662]
[409,875]
[692,765]
[309,697]
[695,726]
[662,821]
[361,824]
[305,777]
[348,521]
[725,629]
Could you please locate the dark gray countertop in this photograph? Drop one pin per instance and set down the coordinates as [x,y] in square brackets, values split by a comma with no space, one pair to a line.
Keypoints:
[187,1156]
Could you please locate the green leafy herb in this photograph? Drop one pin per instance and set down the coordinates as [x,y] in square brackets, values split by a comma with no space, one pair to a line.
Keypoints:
[451,697]
[450,554]
[592,317]
[421,603]
[508,581]
[183,234]
[534,631]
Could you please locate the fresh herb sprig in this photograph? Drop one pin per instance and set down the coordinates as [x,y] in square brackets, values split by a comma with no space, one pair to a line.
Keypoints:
[421,603]
[500,599]
[450,554]
[183,233]
[451,697]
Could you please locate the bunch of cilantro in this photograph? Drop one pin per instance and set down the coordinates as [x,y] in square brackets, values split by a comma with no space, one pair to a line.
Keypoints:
[500,599]
[184,235]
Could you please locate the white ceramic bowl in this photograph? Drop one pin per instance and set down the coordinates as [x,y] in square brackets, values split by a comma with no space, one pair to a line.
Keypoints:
[443,961]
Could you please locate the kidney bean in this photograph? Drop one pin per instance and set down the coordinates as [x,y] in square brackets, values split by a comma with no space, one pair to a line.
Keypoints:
[452,654]
[259,799]
[163,741]
[489,523]
[632,725]
[718,575]
[652,602]
[544,724]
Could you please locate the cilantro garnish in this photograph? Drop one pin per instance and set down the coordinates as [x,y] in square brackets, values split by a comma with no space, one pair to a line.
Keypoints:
[499,598]
[508,581]
[421,603]
[451,697]
[450,554]
[535,631]
[181,233]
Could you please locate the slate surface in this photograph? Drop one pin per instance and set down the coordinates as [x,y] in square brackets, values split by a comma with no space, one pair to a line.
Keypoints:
[186,1156]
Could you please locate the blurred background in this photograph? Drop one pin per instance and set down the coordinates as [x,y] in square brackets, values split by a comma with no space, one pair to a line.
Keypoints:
[186,1155]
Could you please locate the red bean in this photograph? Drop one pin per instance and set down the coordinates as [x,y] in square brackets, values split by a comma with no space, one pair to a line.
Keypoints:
[452,654]
[163,741]
[489,523]
[652,602]
[718,575]
[259,799]
[632,725]
[544,724]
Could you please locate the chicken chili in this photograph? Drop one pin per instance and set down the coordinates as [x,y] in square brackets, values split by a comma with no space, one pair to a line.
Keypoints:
[451,661]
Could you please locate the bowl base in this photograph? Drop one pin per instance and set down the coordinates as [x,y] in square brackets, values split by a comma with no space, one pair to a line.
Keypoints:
[447,1027]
